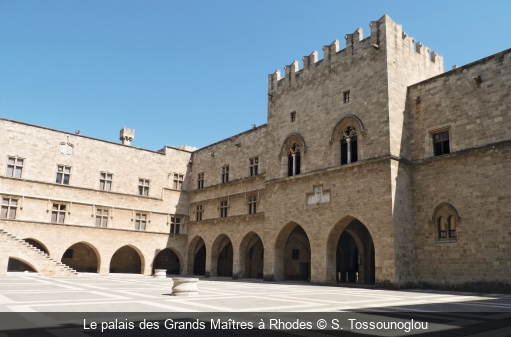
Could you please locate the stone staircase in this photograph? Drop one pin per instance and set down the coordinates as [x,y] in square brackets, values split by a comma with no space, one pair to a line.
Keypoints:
[45,265]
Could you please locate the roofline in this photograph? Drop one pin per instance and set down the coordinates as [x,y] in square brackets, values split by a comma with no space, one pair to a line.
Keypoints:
[86,137]
[225,139]
[460,69]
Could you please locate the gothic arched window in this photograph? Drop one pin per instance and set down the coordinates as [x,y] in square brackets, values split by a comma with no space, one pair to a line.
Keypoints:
[349,148]
[292,155]
[293,160]
[446,218]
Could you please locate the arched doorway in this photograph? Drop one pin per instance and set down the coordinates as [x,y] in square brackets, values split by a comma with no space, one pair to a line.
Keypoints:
[15,264]
[222,256]
[167,259]
[251,256]
[292,254]
[197,256]
[126,260]
[37,244]
[354,258]
[82,257]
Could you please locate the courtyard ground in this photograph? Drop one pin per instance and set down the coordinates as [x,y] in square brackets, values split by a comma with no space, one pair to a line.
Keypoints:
[66,299]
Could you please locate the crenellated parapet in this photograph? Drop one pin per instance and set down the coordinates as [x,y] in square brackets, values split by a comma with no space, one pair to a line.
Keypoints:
[420,50]
[353,39]
[357,49]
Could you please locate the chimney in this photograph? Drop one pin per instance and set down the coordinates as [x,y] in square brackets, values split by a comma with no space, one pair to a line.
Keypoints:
[126,136]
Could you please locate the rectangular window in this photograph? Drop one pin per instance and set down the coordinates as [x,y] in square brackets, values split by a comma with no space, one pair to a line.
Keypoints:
[9,208]
[252,204]
[296,254]
[105,181]
[143,187]
[175,224]
[58,213]
[254,166]
[293,117]
[140,221]
[223,209]
[178,181]
[14,167]
[441,143]
[63,174]
[101,217]
[198,213]
[346,96]
[225,174]
[200,180]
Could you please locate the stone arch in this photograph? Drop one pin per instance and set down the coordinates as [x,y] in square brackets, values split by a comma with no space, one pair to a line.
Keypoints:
[38,244]
[127,259]
[343,123]
[445,222]
[294,145]
[291,237]
[197,256]
[169,259]
[251,256]
[82,257]
[445,206]
[365,249]
[222,256]
[18,264]
[346,137]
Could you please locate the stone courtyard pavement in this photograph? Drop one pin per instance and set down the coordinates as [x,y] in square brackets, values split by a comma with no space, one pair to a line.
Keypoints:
[136,293]
[61,306]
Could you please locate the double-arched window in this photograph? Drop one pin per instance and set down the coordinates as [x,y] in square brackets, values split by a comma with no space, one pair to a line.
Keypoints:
[293,160]
[292,154]
[345,137]
[446,219]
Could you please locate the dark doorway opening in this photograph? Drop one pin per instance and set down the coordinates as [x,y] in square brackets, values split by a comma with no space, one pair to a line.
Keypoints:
[167,259]
[199,261]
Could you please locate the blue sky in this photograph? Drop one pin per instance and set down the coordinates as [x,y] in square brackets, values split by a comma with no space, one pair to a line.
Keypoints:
[195,72]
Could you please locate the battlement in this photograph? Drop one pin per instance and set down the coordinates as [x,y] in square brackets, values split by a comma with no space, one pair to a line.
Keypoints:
[356,49]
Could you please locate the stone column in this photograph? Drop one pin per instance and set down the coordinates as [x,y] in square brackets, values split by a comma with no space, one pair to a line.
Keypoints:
[207,272]
[294,163]
[348,146]
[235,263]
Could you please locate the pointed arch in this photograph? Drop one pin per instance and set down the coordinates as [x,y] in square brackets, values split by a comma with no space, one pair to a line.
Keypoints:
[292,255]
[18,264]
[445,206]
[251,256]
[292,138]
[445,222]
[222,256]
[345,122]
[346,138]
[169,259]
[351,228]
[38,244]
[196,254]
[292,154]
[127,259]
[82,257]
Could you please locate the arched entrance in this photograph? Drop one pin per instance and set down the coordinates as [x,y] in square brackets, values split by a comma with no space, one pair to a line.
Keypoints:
[251,256]
[15,264]
[222,256]
[352,249]
[37,244]
[82,257]
[167,259]
[197,256]
[126,260]
[292,254]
